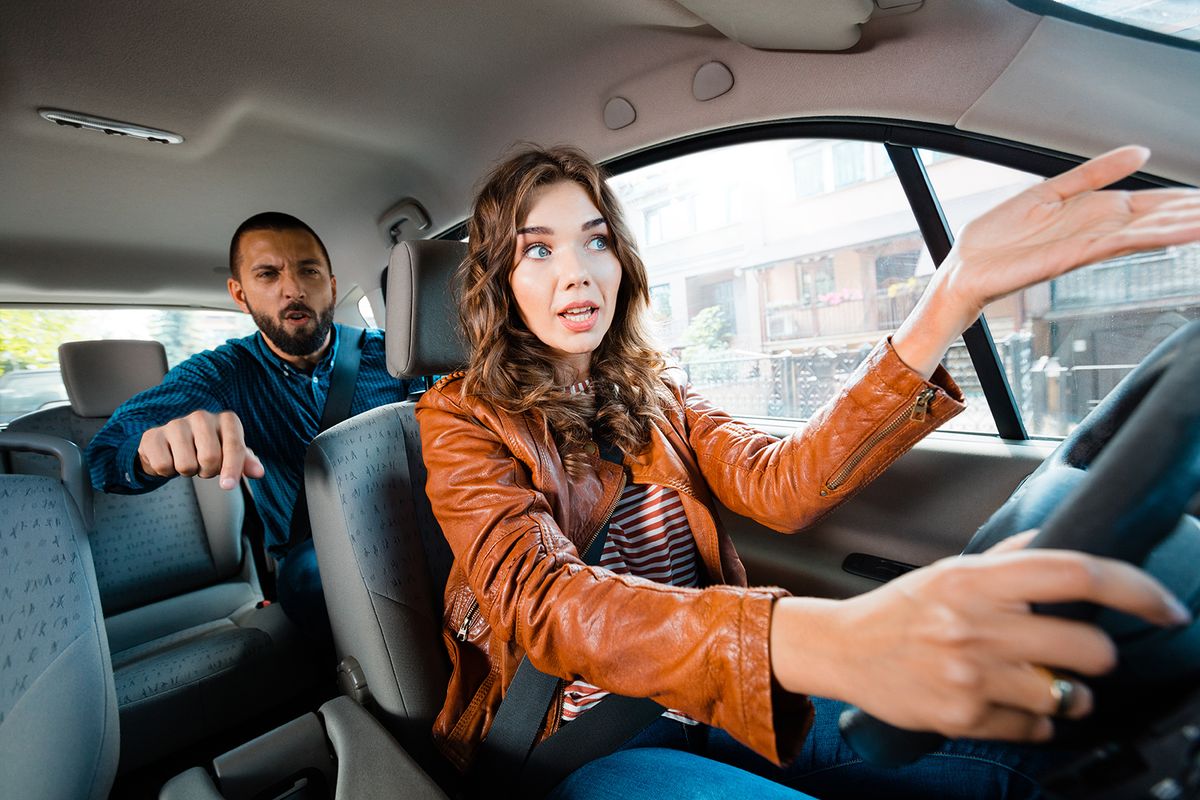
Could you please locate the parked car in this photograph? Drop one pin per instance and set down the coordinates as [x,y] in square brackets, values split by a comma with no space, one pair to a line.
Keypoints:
[793,173]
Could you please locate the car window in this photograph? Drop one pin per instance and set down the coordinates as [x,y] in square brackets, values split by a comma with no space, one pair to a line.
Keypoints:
[776,266]
[1067,343]
[29,340]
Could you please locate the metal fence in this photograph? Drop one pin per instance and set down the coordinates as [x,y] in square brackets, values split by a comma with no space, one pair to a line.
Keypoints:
[794,385]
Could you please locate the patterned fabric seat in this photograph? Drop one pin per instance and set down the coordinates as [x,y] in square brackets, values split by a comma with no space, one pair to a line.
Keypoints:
[58,712]
[192,652]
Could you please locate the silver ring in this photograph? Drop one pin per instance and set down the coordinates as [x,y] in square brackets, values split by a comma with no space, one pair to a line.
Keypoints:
[1062,691]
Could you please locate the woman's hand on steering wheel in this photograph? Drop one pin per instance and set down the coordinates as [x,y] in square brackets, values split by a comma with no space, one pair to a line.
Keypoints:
[955,648]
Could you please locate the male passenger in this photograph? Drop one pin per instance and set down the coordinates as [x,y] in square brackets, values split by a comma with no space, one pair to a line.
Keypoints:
[251,406]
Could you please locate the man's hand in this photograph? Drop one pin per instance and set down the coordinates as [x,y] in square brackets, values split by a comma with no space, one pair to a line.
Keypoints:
[202,443]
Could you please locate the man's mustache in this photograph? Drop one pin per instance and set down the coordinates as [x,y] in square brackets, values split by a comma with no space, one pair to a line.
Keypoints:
[298,307]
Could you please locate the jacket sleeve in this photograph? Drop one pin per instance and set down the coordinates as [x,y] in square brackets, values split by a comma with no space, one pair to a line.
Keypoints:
[702,651]
[112,453]
[788,484]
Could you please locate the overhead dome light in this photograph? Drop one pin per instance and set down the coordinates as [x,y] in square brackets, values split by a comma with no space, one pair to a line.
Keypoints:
[112,127]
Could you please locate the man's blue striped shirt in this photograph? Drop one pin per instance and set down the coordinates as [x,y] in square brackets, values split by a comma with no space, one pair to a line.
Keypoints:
[280,408]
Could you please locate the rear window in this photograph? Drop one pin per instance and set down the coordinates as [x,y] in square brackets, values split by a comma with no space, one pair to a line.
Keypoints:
[29,340]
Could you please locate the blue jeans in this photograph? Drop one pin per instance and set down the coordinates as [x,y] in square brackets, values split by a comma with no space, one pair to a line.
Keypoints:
[667,762]
[298,586]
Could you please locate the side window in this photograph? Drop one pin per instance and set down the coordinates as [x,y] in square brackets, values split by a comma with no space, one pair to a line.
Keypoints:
[771,297]
[1067,343]
[29,338]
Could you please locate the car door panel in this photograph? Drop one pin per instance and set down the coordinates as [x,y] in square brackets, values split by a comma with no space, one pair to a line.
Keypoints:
[925,507]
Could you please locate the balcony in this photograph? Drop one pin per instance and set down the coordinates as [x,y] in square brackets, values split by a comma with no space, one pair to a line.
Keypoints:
[1138,278]
[842,313]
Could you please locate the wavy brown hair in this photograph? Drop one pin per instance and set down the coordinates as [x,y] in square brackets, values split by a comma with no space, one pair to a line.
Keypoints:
[514,369]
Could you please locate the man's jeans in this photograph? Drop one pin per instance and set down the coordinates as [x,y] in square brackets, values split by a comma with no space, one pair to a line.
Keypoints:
[298,586]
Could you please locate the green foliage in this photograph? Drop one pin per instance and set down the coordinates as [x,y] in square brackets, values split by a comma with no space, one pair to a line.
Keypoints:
[706,335]
[29,338]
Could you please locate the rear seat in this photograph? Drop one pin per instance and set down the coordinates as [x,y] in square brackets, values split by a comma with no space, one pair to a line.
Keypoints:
[191,651]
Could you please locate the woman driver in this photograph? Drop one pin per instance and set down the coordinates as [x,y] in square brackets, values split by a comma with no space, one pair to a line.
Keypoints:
[553,306]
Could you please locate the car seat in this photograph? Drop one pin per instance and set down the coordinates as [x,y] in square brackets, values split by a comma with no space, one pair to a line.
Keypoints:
[384,561]
[58,705]
[383,565]
[192,650]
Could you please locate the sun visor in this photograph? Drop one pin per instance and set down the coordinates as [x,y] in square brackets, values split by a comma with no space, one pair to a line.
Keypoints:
[795,24]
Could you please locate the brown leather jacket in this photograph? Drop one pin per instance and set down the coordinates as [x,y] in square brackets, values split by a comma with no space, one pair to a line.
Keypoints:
[517,523]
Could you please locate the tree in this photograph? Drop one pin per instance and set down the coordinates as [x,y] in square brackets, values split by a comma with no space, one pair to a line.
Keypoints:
[29,338]
[705,335]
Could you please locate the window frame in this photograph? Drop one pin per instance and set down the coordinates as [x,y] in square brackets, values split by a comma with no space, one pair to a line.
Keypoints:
[902,140]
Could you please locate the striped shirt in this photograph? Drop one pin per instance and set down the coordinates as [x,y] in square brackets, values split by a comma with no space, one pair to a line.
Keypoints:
[648,537]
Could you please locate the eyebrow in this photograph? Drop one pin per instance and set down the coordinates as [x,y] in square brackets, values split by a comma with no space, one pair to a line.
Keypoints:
[541,230]
[308,262]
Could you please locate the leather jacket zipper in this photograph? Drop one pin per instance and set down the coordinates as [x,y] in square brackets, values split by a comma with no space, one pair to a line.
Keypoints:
[464,628]
[612,509]
[914,413]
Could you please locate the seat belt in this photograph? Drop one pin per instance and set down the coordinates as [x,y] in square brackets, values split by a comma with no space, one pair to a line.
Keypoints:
[508,757]
[342,380]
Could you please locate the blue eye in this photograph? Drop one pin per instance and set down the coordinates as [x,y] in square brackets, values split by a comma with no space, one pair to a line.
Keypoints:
[598,242]
[537,251]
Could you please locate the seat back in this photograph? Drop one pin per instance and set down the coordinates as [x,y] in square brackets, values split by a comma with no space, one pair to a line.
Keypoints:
[185,535]
[384,561]
[58,705]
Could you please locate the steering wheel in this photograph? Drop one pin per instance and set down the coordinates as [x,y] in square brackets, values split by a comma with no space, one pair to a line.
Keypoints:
[1119,486]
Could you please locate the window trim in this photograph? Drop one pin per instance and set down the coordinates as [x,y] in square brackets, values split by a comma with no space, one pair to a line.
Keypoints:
[931,221]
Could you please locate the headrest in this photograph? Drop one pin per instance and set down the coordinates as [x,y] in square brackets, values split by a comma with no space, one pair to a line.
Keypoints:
[423,335]
[101,375]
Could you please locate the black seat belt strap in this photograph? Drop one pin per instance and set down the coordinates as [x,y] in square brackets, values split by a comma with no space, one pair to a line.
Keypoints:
[508,758]
[342,380]
[605,727]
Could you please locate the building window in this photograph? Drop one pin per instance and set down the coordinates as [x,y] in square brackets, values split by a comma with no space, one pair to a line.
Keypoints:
[895,268]
[816,281]
[808,169]
[849,163]
[720,294]
[660,301]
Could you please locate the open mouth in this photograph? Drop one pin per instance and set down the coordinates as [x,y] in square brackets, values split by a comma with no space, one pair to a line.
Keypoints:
[579,318]
[296,317]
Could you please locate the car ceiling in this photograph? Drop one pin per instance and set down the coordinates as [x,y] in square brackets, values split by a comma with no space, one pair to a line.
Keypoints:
[335,111]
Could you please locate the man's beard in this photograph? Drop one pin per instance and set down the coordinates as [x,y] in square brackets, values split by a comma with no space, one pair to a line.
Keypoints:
[299,343]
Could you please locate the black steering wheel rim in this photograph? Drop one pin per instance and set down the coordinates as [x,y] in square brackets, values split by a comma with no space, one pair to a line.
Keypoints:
[1118,486]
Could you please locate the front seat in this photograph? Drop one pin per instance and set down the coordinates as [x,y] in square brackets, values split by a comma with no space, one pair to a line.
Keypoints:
[383,565]
[58,705]
[384,561]
[192,650]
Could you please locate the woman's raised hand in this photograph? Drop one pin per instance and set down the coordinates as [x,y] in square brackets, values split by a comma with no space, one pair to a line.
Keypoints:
[1051,228]
[954,647]
[1066,222]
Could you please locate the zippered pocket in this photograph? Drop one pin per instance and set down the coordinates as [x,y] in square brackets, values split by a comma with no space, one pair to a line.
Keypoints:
[914,413]
[464,627]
